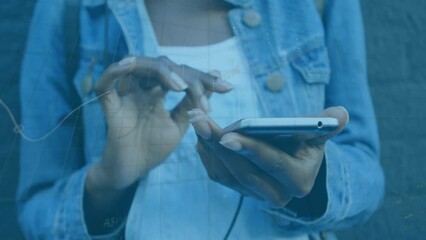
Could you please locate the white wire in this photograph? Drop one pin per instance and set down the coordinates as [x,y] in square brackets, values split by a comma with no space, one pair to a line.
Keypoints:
[19,128]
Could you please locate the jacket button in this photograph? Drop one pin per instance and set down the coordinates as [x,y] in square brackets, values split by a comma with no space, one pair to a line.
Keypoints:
[275,82]
[251,18]
[87,85]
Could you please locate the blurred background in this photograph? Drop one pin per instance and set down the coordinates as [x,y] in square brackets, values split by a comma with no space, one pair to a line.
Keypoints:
[396,43]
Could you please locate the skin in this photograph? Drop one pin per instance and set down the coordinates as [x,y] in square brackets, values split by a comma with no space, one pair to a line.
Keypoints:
[141,133]
[205,21]
[261,169]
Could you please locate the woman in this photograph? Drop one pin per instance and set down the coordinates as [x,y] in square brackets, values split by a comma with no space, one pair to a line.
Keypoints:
[132,169]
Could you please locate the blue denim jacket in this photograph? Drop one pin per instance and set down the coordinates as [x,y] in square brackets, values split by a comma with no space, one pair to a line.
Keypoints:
[321,60]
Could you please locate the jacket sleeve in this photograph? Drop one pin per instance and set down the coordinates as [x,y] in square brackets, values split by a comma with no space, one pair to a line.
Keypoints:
[353,175]
[52,170]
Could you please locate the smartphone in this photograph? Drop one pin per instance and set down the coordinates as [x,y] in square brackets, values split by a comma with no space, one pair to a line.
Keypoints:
[282,128]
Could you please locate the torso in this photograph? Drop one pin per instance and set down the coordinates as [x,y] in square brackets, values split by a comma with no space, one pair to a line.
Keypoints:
[178,200]
[189,22]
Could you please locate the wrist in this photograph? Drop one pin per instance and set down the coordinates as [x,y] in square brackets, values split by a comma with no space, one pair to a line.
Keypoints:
[103,189]
[119,167]
[105,205]
[101,178]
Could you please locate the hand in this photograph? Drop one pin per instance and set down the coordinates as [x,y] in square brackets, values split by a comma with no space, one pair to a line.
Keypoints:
[261,169]
[141,132]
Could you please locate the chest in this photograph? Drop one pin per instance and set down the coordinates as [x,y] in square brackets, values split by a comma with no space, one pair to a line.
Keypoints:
[189,23]
[283,44]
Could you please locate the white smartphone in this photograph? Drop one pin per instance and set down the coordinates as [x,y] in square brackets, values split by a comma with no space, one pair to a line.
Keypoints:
[282,128]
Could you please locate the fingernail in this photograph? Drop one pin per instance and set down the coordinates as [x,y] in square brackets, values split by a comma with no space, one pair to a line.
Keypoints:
[230,141]
[205,103]
[127,61]
[197,118]
[224,84]
[215,73]
[347,119]
[196,115]
[219,81]
[178,81]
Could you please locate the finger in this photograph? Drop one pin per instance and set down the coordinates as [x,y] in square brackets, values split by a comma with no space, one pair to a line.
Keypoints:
[154,98]
[153,72]
[107,81]
[205,126]
[218,172]
[181,112]
[341,114]
[201,84]
[297,175]
[253,178]
[215,73]
[127,85]
[264,186]
[209,92]
[198,118]
[198,94]
[212,81]
[195,91]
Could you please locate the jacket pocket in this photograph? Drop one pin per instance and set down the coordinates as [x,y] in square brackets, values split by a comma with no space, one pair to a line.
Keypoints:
[310,71]
[311,61]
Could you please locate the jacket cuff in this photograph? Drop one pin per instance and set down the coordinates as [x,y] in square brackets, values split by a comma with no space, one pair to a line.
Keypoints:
[70,217]
[337,198]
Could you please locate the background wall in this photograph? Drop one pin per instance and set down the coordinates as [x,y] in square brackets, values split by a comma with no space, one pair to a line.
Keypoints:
[396,43]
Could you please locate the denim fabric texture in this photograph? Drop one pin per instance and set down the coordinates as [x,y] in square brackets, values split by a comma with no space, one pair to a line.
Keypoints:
[321,60]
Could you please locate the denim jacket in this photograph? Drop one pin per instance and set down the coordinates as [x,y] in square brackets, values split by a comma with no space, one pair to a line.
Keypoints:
[318,62]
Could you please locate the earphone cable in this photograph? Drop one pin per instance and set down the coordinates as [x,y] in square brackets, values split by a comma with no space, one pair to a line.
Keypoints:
[234,219]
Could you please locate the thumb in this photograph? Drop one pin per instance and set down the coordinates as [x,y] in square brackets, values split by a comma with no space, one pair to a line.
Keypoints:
[341,114]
